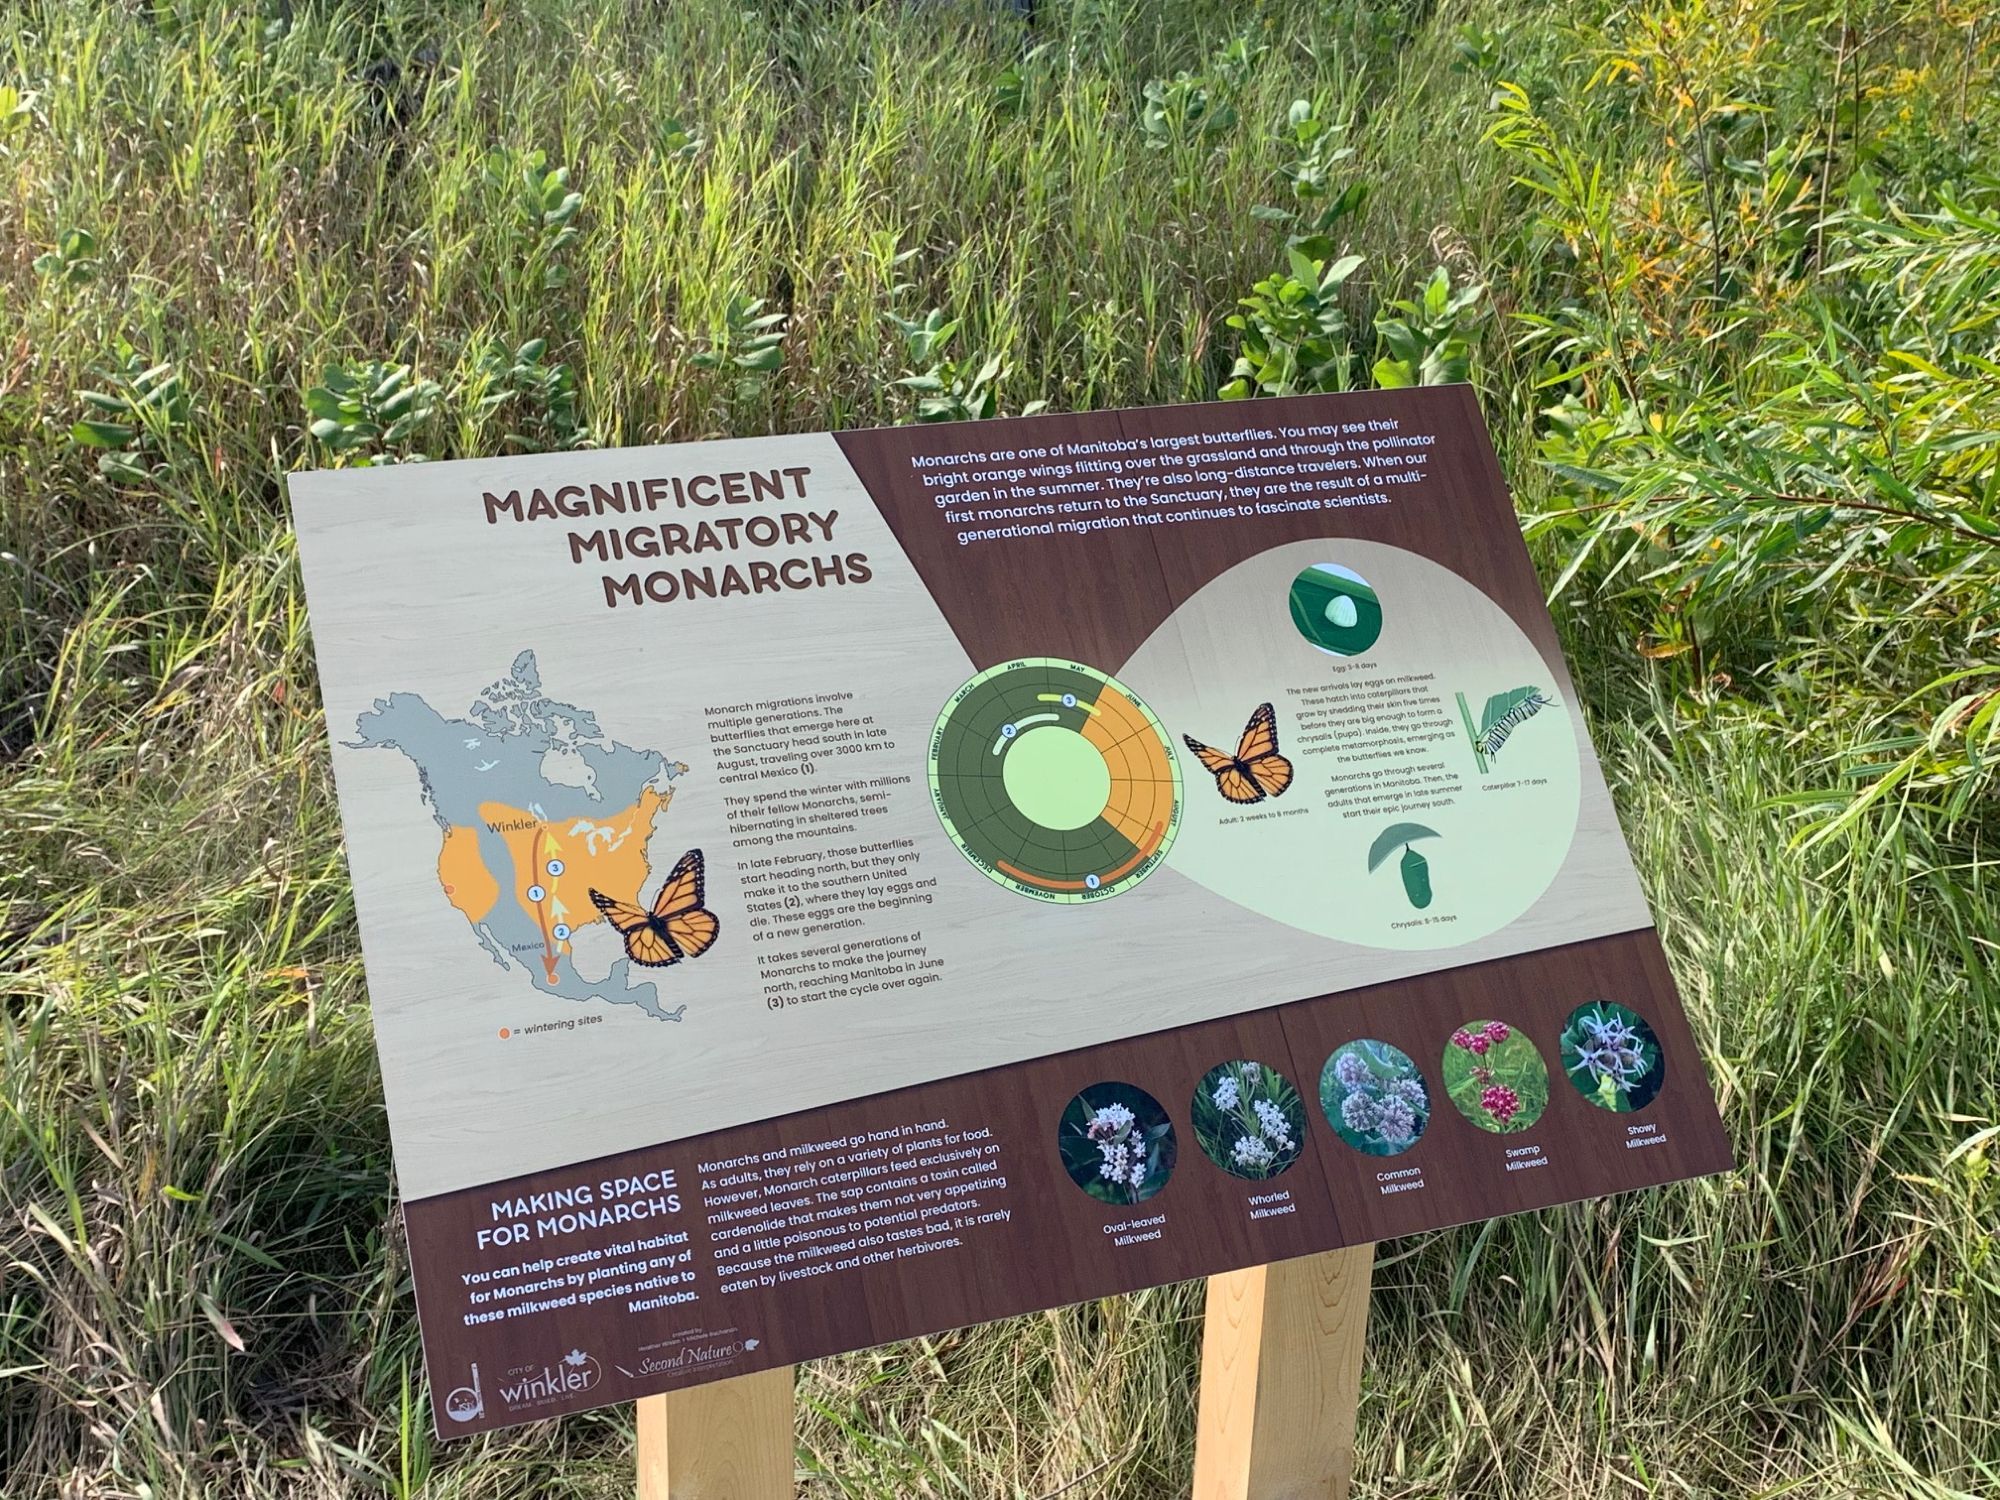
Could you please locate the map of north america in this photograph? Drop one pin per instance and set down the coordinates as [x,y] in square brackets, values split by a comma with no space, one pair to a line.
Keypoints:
[537,807]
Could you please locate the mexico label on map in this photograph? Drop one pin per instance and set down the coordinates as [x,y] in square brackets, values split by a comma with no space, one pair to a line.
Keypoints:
[818,890]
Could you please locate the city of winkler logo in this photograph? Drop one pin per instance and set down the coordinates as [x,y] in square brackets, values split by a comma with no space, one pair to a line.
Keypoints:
[575,1374]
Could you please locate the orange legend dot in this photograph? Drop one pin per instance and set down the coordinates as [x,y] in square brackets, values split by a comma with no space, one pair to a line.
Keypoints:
[505,1033]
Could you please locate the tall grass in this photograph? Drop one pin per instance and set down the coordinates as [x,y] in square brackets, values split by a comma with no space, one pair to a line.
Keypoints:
[1734,252]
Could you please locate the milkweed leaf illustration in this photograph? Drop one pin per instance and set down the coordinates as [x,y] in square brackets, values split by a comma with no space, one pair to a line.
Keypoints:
[1394,837]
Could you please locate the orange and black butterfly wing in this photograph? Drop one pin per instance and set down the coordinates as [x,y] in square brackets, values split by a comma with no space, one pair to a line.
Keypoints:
[689,926]
[1232,778]
[645,935]
[1257,753]
[683,889]
[1272,773]
[693,931]
[625,917]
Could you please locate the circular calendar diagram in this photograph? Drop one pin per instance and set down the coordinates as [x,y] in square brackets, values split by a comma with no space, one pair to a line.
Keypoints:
[1055,780]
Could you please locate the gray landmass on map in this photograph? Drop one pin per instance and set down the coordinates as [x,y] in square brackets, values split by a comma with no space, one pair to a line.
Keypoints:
[501,752]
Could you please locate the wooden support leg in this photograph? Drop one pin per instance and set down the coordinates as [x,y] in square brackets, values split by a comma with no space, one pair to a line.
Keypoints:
[1281,1377]
[731,1440]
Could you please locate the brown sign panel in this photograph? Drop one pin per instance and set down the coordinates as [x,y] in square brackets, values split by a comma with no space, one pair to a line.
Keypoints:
[818,890]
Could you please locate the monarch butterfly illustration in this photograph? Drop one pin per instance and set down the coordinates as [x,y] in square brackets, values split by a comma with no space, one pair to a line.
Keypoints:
[677,927]
[1256,770]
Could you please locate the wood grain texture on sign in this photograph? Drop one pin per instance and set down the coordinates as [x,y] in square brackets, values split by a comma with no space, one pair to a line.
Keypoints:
[1060,1245]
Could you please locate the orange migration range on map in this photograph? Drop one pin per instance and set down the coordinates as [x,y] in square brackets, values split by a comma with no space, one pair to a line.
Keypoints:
[555,866]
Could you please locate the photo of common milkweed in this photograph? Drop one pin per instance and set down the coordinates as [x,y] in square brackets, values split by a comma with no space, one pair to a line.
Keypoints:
[1249,1120]
[1495,1077]
[1336,609]
[1375,1098]
[1117,1144]
[1612,1056]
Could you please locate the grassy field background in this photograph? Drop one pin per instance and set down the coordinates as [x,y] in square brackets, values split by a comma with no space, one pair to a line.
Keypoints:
[1738,335]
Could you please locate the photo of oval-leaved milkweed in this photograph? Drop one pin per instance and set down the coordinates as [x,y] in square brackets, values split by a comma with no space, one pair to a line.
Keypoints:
[1336,609]
[1374,1097]
[1495,1077]
[1248,1119]
[1612,1056]
[1117,1144]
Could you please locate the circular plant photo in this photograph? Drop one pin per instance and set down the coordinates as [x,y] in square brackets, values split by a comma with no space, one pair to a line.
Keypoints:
[1612,1057]
[1117,1144]
[1249,1119]
[1495,1077]
[1374,1097]
[1336,609]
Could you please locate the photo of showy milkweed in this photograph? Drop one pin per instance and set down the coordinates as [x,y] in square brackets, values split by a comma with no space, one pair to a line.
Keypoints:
[677,926]
[1256,770]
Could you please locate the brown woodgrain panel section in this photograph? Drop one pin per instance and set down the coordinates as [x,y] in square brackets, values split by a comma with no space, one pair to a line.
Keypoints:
[1059,1244]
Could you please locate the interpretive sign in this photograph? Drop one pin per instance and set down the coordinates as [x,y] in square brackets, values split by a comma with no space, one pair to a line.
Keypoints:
[817,890]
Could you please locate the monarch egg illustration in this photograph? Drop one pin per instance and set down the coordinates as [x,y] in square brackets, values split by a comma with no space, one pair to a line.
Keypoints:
[1342,612]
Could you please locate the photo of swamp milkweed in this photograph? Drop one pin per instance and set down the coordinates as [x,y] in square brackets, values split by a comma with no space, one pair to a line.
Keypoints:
[1495,1077]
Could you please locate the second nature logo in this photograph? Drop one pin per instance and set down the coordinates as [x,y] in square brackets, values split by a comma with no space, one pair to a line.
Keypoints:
[694,1350]
[571,1376]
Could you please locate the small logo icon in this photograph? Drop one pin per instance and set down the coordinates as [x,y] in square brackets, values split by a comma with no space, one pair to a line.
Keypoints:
[467,1403]
[751,1343]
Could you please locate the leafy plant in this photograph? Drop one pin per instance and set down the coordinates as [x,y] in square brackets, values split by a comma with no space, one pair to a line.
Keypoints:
[375,406]
[1195,108]
[73,261]
[1322,195]
[536,396]
[134,421]
[675,140]
[1427,337]
[17,110]
[545,207]
[1477,48]
[750,344]
[1296,336]
[948,389]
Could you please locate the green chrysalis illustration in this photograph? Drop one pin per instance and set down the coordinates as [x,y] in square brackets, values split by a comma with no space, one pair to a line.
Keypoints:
[1415,869]
[1416,878]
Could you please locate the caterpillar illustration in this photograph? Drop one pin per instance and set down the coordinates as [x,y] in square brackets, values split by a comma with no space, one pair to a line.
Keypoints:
[1497,732]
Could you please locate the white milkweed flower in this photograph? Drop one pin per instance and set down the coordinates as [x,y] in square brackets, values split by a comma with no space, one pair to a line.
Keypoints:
[1252,1151]
[1115,1164]
[1274,1122]
[1111,1120]
[1225,1095]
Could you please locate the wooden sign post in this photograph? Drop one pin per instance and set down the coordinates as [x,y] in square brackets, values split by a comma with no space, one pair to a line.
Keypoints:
[1280,1382]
